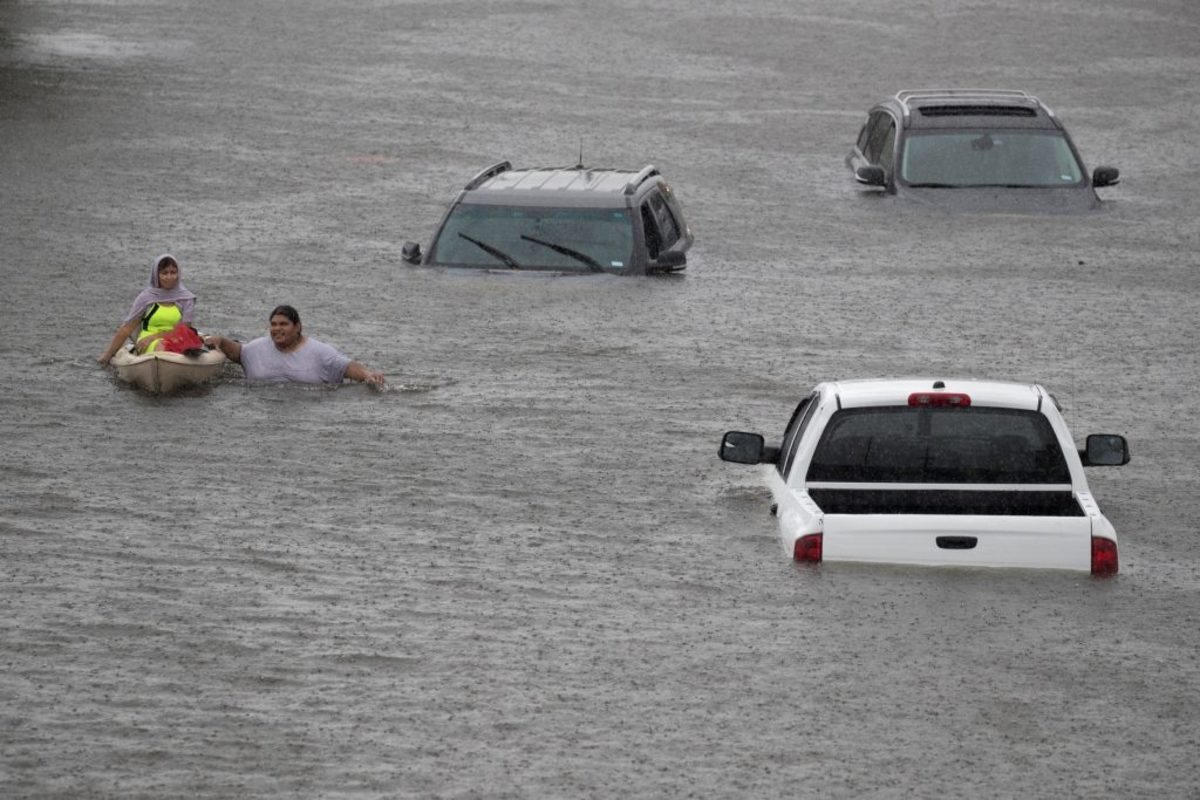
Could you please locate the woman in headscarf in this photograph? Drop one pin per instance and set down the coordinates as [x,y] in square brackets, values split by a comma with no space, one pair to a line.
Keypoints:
[159,307]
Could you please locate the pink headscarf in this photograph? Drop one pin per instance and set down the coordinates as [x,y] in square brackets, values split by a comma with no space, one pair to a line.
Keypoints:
[154,293]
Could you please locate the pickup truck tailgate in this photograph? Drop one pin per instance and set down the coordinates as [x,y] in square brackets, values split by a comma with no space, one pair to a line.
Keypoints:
[960,539]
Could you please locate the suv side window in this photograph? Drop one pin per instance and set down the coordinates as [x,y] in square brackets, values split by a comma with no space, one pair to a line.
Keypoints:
[870,136]
[864,135]
[882,134]
[887,148]
[793,433]
[650,226]
[667,227]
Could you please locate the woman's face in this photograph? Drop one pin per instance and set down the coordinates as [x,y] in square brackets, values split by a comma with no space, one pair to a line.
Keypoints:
[168,275]
[284,333]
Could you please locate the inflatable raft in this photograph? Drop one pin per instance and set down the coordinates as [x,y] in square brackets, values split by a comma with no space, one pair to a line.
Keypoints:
[164,373]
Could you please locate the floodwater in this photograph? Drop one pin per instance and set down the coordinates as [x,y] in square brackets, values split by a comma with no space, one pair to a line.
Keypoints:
[521,571]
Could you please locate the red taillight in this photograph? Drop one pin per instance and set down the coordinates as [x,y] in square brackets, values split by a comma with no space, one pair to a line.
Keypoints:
[1104,556]
[939,399]
[808,548]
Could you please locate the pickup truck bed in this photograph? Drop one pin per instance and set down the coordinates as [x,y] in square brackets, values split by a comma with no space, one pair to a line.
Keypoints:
[947,501]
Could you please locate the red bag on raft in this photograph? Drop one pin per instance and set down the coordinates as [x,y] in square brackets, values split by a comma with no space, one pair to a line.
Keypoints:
[182,339]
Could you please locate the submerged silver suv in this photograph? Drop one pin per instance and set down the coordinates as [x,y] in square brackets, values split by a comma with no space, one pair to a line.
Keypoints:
[561,219]
[974,149]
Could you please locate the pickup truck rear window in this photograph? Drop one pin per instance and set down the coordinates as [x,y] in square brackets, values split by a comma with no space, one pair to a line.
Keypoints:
[899,444]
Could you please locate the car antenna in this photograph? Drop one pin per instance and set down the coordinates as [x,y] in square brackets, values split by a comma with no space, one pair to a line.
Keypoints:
[579,165]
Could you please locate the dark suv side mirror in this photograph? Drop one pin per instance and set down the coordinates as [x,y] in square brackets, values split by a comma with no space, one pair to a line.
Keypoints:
[671,259]
[411,253]
[1105,450]
[1106,176]
[871,175]
[742,448]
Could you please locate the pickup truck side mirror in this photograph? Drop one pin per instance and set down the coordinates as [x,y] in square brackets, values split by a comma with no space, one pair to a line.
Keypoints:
[411,253]
[1106,176]
[871,175]
[1105,450]
[742,448]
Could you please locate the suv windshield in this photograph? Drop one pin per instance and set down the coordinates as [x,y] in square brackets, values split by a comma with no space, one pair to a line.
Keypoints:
[939,445]
[989,158]
[532,237]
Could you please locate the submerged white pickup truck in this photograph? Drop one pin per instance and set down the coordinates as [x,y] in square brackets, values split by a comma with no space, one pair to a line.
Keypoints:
[936,472]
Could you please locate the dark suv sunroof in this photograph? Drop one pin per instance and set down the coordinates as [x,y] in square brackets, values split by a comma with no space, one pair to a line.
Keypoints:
[976,111]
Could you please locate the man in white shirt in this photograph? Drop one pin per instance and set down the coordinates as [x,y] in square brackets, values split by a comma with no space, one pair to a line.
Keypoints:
[288,355]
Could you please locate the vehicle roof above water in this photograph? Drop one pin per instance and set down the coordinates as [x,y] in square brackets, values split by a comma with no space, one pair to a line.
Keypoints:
[895,391]
[971,108]
[557,186]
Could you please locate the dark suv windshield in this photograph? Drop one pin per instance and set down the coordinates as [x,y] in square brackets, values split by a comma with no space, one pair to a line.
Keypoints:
[989,158]
[938,445]
[531,237]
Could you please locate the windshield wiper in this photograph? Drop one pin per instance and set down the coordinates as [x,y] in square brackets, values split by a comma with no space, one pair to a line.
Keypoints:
[508,260]
[568,252]
[935,186]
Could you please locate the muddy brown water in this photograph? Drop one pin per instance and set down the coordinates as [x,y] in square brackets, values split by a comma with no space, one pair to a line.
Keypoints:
[521,571]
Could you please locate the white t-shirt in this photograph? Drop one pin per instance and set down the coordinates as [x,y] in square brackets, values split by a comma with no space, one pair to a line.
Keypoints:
[312,362]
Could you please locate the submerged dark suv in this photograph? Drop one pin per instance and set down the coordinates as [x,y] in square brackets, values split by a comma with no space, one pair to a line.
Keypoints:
[572,219]
[974,149]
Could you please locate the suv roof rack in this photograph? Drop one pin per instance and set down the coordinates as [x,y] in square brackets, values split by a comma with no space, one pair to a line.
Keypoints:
[648,171]
[490,172]
[905,97]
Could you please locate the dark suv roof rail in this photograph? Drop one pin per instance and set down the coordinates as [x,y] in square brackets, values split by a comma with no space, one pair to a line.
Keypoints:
[648,171]
[905,97]
[490,172]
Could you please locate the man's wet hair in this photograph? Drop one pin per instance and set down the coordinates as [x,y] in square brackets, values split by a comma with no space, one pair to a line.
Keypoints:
[286,311]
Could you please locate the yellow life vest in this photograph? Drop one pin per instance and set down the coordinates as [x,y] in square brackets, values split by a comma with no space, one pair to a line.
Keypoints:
[157,319]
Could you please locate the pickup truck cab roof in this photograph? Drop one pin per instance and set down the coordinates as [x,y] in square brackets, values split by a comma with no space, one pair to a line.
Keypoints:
[856,393]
